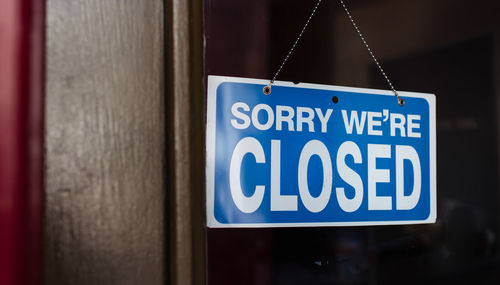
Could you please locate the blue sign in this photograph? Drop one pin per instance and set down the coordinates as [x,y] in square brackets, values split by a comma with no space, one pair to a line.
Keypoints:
[318,155]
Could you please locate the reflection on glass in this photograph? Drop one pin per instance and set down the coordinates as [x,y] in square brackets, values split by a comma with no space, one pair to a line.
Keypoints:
[249,38]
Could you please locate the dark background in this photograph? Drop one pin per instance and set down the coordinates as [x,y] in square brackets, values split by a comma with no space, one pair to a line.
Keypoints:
[449,48]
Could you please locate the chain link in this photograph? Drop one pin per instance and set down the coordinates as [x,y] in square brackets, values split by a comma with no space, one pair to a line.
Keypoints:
[293,47]
[267,89]
[400,100]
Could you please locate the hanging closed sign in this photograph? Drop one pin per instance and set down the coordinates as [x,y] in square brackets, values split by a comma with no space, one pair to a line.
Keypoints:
[317,155]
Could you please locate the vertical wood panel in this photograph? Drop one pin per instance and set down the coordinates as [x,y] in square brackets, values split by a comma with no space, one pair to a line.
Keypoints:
[185,125]
[179,170]
[105,142]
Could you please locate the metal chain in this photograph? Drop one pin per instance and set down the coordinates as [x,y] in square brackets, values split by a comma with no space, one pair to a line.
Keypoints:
[400,100]
[267,89]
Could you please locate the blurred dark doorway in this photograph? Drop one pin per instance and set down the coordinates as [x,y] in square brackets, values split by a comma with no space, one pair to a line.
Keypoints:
[462,247]
[420,53]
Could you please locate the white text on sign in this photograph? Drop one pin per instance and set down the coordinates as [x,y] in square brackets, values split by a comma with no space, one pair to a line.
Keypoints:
[303,119]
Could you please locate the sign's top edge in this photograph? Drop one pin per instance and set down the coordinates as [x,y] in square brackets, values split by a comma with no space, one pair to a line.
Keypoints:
[217,79]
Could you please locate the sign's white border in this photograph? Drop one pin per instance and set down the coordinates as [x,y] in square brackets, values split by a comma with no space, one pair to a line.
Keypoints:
[213,83]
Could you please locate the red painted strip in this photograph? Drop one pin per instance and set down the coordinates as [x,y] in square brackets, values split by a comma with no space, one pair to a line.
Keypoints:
[22,32]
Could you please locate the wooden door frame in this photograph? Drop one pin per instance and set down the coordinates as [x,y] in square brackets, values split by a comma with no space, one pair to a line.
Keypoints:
[21,140]
[185,121]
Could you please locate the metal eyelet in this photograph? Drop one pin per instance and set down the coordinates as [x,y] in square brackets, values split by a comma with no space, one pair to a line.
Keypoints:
[267,89]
